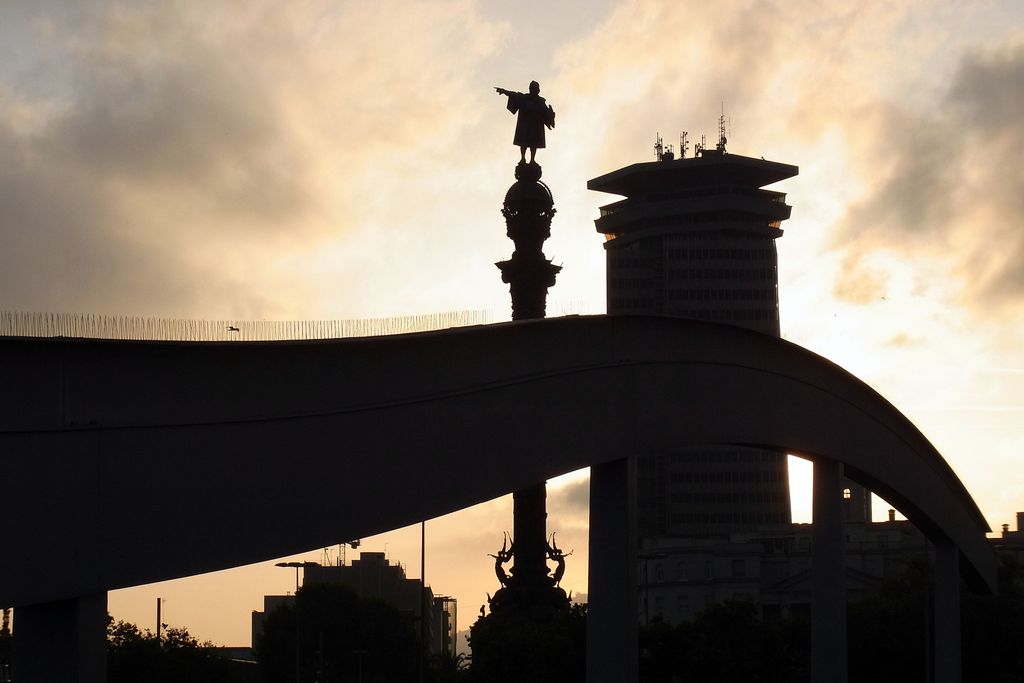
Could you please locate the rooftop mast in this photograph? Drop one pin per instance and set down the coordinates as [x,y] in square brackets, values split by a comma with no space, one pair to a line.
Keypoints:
[722,130]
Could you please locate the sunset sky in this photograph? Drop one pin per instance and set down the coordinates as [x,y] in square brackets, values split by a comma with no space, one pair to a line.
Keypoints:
[311,160]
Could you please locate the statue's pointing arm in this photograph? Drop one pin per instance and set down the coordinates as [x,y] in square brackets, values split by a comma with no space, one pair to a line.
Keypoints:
[513,98]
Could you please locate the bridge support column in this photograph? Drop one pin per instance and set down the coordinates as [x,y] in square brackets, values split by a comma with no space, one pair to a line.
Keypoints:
[828,593]
[948,666]
[611,613]
[62,642]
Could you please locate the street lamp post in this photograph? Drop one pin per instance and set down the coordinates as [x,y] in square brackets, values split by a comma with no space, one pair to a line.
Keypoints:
[423,596]
[297,566]
[159,602]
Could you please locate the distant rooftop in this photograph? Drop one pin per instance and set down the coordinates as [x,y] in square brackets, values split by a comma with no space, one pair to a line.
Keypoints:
[710,168]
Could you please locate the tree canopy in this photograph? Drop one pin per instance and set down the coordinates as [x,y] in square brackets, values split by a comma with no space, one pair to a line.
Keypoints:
[136,656]
[543,646]
[340,637]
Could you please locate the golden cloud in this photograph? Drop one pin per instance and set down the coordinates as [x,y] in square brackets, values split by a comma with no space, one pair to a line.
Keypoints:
[179,150]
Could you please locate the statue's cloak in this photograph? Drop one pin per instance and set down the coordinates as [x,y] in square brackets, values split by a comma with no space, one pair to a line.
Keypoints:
[534,115]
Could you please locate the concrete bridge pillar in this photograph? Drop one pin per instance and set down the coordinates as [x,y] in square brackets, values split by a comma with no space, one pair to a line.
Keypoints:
[948,666]
[828,593]
[62,642]
[612,610]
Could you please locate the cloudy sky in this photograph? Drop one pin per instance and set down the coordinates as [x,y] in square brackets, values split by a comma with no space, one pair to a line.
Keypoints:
[267,160]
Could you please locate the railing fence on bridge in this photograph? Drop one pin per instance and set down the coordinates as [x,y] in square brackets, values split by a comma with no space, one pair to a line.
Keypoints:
[90,326]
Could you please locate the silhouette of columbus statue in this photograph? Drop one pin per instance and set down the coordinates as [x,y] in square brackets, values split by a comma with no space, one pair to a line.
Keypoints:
[528,209]
[534,115]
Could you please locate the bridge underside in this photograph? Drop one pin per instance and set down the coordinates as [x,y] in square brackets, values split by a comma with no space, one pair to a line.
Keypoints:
[247,444]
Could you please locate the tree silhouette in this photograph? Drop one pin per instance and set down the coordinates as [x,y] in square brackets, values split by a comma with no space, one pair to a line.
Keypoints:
[449,668]
[135,656]
[341,636]
[888,636]
[541,646]
[726,642]
[993,627]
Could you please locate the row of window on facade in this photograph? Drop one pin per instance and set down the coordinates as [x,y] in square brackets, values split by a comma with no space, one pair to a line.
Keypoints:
[701,254]
[727,274]
[729,477]
[737,569]
[741,294]
[714,314]
[722,253]
[734,314]
[731,497]
[726,455]
[738,222]
[683,603]
[733,517]
[762,294]
[645,303]
[675,274]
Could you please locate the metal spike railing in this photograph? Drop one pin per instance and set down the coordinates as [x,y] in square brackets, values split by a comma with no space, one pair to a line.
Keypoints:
[91,326]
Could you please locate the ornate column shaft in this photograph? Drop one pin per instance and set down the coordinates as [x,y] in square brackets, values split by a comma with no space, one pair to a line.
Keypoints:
[528,209]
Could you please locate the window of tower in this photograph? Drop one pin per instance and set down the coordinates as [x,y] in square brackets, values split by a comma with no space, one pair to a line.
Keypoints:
[727,274]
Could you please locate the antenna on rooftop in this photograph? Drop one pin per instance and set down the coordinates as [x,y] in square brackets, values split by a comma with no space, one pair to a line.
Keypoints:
[663,152]
[684,144]
[721,131]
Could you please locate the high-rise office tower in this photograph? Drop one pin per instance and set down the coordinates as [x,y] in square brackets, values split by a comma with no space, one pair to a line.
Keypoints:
[695,238]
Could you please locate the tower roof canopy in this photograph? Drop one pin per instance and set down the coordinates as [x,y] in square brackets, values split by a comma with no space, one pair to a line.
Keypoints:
[709,169]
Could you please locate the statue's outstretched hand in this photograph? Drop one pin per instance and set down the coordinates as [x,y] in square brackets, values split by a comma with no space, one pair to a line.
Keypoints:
[501,91]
